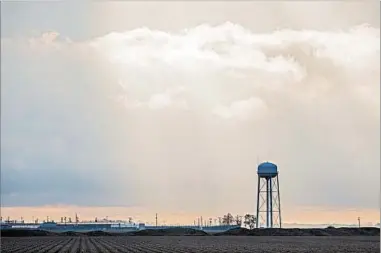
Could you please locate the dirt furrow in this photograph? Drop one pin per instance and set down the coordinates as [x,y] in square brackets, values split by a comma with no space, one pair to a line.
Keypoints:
[66,248]
[75,245]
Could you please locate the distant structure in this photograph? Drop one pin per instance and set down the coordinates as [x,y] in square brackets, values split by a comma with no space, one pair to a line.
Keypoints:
[268,196]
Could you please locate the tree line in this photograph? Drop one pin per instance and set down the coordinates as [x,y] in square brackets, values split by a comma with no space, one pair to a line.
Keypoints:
[248,220]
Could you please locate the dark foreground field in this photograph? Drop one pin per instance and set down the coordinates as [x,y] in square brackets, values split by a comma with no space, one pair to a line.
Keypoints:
[189,244]
[344,231]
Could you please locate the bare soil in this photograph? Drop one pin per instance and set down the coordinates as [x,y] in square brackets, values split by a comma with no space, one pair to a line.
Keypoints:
[344,231]
[190,244]
[370,231]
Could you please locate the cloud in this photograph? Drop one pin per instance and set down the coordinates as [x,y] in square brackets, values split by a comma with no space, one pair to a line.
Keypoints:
[56,116]
[162,100]
[156,101]
[177,120]
[240,109]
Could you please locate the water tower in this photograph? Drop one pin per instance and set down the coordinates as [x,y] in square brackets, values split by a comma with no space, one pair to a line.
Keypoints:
[268,197]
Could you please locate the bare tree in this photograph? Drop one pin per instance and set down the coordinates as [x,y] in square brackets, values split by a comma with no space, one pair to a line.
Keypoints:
[228,219]
[250,221]
[238,220]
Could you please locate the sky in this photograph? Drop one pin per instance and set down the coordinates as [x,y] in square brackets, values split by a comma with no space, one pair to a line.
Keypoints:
[125,109]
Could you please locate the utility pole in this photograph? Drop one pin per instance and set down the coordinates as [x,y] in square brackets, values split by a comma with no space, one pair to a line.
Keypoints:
[358,218]
[156,219]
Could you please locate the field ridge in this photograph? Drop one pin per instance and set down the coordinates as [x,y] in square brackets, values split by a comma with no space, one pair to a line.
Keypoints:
[343,231]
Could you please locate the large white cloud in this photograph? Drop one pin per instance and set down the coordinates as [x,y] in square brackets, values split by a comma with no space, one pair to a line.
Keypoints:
[179,119]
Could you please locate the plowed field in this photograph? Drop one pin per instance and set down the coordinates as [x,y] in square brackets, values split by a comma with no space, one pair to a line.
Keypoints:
[189,244]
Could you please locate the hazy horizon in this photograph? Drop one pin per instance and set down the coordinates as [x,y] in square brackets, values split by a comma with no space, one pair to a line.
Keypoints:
[126,109]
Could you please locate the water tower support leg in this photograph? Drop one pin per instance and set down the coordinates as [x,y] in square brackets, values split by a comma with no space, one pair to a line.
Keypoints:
[279,213]
[258,190]
[271,201]
[267,202]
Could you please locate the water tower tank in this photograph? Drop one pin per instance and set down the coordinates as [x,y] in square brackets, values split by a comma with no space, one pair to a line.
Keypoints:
[267,169]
